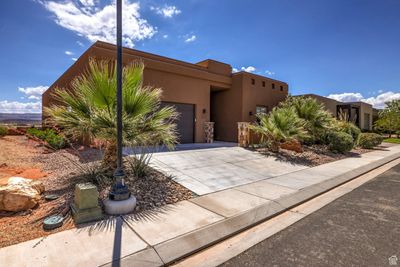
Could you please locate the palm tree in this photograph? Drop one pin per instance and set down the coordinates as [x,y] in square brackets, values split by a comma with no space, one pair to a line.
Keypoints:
[88,110]
[316,118]
[280,125]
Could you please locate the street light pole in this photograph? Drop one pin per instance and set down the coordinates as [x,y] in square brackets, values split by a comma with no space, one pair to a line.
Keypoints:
[119,87]
[119,190]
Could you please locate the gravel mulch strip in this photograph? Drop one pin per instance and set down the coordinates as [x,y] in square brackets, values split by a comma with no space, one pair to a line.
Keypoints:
[312,155]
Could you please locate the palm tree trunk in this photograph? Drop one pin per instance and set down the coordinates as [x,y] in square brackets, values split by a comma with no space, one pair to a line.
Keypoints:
[110,156]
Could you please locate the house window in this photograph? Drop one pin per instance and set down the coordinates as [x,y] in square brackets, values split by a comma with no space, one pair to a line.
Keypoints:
[273,86]
[281,88]
[261,110]
[253,81]
[263,84]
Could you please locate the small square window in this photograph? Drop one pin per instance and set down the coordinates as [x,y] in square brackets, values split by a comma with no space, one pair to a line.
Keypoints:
[273,86]
[263,84]
[281,88]
[261,110]
[253,81]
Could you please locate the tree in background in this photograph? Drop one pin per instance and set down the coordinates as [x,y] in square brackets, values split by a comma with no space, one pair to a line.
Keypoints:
[389,118]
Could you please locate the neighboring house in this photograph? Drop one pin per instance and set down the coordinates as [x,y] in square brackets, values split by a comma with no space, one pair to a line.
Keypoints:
[359,112]
[201,92]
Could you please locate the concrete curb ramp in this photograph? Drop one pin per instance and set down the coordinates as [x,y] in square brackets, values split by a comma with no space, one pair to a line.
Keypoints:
[163,236]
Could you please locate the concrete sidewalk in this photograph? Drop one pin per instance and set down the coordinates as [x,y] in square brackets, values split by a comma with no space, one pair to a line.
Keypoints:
[162,236]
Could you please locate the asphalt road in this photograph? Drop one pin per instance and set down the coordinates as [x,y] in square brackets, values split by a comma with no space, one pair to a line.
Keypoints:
[362,228]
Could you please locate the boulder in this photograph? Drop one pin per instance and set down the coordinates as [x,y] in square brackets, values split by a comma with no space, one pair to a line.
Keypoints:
[20,194]
[292,145]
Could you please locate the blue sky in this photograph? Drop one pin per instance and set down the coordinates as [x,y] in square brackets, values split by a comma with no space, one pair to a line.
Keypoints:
[345,49]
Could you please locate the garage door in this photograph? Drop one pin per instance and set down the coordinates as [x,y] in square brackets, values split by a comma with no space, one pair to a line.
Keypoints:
[185,122]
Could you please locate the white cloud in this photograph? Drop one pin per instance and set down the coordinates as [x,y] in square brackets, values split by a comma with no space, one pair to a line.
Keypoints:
[19,107]
[190,39]
[34,97]
[270,73]
[165,36]
[80,43]
[69,53]
[88,3]
[248,69]
[74,58]
[33,91]
[95,22]
[166,11]
[377,101]
[347,97]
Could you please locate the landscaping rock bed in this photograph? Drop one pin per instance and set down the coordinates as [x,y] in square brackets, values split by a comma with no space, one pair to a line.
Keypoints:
[59,171]
[312,155]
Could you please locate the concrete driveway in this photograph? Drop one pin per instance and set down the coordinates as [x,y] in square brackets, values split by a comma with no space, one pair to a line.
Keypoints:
[205,170]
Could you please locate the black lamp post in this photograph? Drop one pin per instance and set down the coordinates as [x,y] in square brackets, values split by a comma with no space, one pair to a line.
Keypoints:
[119,190]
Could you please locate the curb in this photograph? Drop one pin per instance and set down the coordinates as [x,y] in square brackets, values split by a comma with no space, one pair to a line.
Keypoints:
[179,247]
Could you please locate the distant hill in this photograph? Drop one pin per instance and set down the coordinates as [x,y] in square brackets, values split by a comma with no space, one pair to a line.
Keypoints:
[20,118]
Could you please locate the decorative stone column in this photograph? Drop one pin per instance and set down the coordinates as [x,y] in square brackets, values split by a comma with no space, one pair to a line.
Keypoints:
[243,134]
[209,131]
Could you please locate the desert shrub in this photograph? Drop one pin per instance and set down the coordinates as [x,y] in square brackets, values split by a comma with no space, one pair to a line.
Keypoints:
[316,118]
[349,128]
[55,141]
[37,133]
[340,142]
[280,125]
[139,164]
[3,131]
[369,140]
[49,136]
[310,140]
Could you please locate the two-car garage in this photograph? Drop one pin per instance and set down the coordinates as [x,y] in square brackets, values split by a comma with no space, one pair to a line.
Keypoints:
[185,122]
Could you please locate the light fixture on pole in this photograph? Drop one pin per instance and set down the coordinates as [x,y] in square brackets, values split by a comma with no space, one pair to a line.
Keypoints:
[120,200]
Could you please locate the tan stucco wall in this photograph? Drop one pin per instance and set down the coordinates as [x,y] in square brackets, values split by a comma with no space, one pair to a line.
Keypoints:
[329,104]
[257,95]
[188,83]
[365,109]
[183,89]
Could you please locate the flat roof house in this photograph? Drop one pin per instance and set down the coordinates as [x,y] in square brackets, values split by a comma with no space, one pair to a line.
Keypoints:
[202,92]
[359,112]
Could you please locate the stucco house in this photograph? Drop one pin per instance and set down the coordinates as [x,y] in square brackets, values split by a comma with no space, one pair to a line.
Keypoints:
[359,112]
[207,91]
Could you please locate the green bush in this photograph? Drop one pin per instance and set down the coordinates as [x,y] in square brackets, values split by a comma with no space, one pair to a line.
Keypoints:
[315,118]
[3,131]
[49,136]
[369,140]
[56,141]
[340,142]
[280,125]
[350,128]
